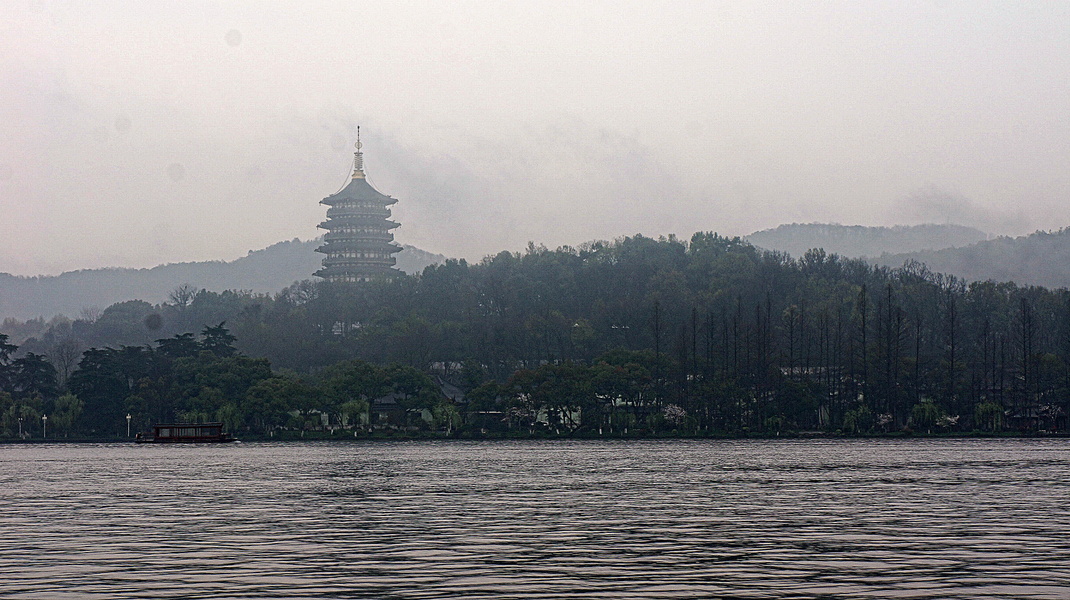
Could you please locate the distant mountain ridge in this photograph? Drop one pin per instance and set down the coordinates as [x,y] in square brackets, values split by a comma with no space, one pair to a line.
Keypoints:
[861,241]
[267,271]
[1041,258]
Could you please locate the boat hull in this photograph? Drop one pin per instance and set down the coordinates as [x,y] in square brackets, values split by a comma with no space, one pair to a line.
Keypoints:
[150,440]
[186,433]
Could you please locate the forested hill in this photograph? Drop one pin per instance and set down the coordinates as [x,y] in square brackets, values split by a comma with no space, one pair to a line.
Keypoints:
[1042,258]
[857,241]
[264,271]
[709,335]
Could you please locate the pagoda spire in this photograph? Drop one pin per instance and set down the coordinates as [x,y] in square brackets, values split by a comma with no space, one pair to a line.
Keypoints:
[358,159]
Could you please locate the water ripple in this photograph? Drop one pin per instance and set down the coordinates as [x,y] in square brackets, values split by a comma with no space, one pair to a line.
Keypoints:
[673,519]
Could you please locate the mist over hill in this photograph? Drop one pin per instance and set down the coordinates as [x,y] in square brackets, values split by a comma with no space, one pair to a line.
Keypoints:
[859,241]
[267,271]
[1041,258]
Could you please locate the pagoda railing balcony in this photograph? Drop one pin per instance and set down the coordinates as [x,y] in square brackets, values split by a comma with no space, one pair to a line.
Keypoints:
[335,234]
[371,223]
[359,246]
[370,233]
[375,222]
[366,246]
[388,261]
[357,212]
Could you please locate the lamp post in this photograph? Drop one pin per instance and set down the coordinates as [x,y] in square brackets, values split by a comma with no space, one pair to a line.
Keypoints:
[44,426]
[127,424]
[20,428]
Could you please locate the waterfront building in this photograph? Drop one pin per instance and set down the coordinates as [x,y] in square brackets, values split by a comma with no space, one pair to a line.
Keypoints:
[359,243]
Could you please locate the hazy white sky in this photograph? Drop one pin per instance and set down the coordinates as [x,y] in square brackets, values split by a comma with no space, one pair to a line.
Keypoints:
[138,133]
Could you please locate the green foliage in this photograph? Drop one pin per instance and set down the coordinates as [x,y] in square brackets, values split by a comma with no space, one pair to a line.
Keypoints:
[219,341]
[413,389]
[103,379]
[32,375]
[352,380]
[774,424]
[926,415]
[67,410]
[445,416]
[6,350]
[558,392]
[858,420]
[267,404]
[988,416]
[354,412]
[20,414]
[182,345]
[472,375]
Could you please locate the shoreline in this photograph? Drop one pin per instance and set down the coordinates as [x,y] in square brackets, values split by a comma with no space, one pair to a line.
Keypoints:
[396,437]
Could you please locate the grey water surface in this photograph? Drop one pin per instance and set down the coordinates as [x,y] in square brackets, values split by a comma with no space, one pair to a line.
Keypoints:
[583,519]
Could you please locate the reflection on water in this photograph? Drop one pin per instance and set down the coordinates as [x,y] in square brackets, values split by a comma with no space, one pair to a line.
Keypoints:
[661,519]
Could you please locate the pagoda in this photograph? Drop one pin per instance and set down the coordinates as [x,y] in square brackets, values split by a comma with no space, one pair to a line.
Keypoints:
[359,244]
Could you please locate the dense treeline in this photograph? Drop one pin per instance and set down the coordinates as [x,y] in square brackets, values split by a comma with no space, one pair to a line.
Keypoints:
[198,380]
[699,337]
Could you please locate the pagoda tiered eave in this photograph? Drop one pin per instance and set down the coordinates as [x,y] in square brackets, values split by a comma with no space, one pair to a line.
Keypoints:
[359,190]
[333,200]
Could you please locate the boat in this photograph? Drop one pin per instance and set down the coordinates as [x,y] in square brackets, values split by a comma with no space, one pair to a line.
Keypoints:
[185,433]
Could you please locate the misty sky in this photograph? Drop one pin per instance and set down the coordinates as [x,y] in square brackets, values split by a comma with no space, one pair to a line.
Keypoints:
[138,133]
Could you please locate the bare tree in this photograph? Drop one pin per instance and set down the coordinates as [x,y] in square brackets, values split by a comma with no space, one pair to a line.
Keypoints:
[182,295]
[90,314]
[64,356]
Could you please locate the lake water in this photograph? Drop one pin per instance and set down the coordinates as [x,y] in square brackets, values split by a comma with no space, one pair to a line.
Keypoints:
[654,519]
